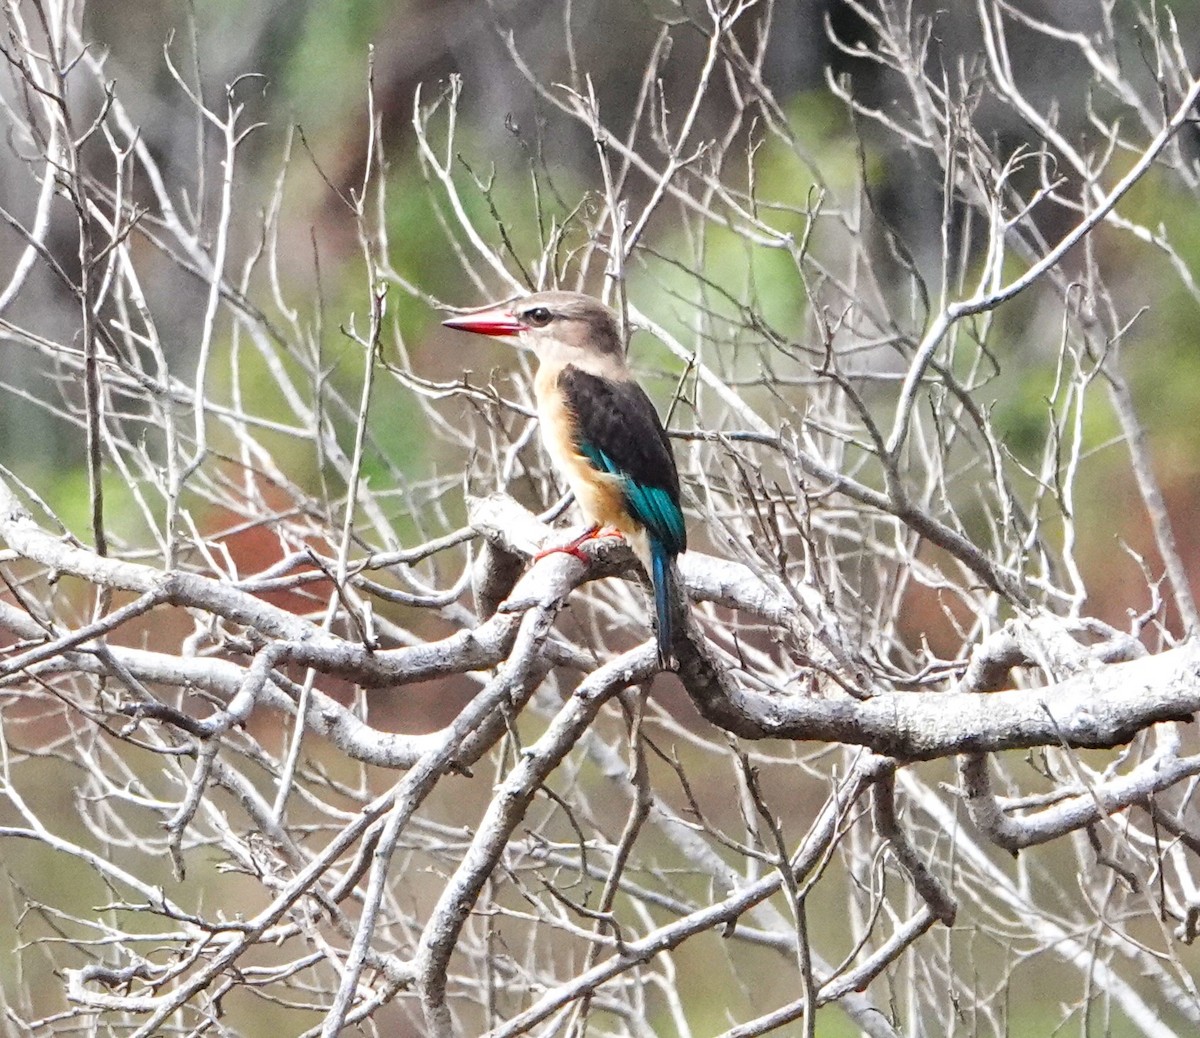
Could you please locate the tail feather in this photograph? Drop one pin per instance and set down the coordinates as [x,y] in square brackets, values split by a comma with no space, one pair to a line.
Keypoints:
[663,577]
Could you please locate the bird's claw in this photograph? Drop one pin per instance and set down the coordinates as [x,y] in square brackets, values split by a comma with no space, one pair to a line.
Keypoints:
[572,547]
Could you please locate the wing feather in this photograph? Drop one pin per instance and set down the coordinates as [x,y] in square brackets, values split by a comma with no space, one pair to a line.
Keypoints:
[620,433]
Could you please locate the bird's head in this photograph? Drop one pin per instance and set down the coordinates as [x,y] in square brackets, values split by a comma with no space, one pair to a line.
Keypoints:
[558,326]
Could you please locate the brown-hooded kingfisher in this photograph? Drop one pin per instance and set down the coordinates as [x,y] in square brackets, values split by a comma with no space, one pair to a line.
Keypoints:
[600,429]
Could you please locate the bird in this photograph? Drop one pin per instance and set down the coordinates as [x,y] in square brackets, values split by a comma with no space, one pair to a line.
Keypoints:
[601,430]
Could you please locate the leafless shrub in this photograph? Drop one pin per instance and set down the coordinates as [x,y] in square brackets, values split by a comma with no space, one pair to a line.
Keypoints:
[882,585]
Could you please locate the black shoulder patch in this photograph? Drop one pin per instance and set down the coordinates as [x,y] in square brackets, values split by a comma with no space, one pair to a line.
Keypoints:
[619,419]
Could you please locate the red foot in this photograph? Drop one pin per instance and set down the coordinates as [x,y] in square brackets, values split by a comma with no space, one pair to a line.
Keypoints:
[572,547]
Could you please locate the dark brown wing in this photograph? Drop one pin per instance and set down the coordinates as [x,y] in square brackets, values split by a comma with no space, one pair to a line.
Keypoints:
[619,432]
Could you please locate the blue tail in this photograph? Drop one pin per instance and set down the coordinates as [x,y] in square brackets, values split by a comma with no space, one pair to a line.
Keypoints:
[663,577]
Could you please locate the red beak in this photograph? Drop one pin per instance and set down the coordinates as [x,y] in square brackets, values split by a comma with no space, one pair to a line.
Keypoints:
[498,320]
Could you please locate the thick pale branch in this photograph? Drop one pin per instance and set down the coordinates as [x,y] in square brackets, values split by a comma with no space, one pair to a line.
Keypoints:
[308,644]
[1162,771]
[1104,706]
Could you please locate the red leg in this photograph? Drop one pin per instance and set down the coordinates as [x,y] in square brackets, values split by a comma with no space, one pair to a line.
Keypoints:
[572,547]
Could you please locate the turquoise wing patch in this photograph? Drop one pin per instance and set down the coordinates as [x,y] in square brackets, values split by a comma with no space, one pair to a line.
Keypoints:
[653,507]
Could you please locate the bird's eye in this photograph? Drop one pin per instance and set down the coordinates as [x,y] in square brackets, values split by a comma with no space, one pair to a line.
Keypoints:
[538,316]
